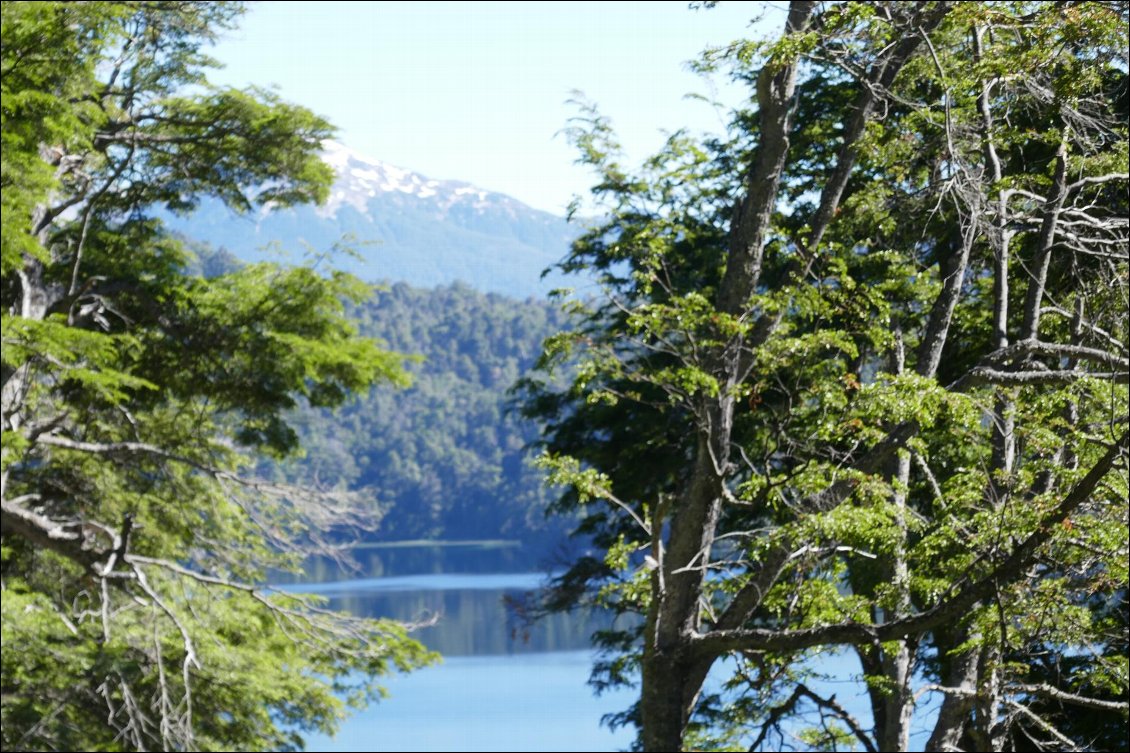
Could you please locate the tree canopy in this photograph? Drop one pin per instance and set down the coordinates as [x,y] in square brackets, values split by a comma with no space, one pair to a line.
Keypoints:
[445,458]
[138,395]
[859,382]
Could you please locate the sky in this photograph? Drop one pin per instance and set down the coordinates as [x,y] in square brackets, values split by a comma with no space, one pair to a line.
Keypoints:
[479,91]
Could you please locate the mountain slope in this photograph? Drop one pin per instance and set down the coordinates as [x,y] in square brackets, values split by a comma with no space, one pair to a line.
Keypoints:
[446,457]
[405,227]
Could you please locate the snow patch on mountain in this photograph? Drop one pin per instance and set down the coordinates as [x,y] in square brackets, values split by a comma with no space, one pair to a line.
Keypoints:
[407,227]
[359,179]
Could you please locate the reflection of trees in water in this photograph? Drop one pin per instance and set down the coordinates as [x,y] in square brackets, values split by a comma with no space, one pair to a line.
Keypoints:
[471,621]
[382,562]
[475,622]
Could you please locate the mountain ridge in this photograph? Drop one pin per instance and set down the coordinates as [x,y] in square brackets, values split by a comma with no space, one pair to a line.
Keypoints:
[403,227]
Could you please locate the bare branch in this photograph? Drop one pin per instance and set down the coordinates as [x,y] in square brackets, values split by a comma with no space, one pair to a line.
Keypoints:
[1046,726]
[64,538]
[1028,348]
[776,713]
[1050,691]
[982,375]
[1092,180]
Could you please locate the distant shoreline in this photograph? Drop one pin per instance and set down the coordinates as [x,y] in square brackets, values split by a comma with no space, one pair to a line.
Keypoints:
[407,543]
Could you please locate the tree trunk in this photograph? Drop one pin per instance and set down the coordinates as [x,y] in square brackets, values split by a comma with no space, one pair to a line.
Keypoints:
[663,709]
[961,683]
[669,690]
[897,665]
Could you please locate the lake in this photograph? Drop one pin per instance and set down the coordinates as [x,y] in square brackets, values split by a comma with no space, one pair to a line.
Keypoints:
[501,685]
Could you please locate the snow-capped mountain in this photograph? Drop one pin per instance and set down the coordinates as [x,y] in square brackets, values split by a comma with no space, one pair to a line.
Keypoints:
[361,178]
[404,227]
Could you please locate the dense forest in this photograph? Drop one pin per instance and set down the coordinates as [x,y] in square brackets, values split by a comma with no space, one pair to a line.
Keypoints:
[447,457]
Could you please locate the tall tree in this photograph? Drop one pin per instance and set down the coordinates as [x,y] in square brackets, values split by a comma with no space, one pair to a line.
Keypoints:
[135,395]
[859,382]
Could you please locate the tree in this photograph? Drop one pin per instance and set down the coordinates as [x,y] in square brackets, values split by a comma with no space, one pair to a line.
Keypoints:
[136,396]
[451,429]
[859,382]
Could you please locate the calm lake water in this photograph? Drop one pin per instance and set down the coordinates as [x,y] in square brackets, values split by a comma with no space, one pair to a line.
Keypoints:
[502,685]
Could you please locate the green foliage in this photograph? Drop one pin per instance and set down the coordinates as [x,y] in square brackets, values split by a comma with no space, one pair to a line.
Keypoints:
[138,395]
[452,429]
[816,405]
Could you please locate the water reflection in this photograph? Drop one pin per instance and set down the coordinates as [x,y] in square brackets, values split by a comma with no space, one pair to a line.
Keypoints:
[472,621]
[474,593]
[392,560]
[502,686]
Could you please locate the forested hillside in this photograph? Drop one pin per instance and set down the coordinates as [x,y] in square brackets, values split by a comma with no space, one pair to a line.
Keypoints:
[444,457]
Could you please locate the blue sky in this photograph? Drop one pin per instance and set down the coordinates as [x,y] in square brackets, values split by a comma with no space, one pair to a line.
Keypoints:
[478,91]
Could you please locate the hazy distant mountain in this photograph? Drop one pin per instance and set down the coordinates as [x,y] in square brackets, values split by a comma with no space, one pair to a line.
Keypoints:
[426,232]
